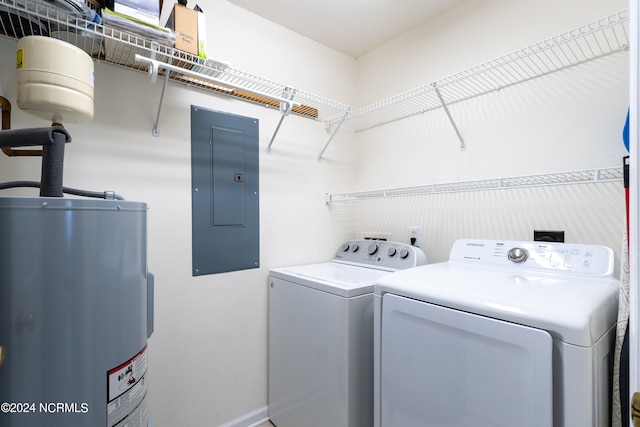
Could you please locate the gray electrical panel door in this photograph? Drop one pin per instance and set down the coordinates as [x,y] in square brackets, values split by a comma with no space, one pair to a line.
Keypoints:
[224,193]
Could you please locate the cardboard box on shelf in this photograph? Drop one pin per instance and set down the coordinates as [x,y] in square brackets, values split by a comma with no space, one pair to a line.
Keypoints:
[189,27]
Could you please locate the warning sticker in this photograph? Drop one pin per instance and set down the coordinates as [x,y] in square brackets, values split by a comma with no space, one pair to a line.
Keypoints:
[127,391]
[20,58]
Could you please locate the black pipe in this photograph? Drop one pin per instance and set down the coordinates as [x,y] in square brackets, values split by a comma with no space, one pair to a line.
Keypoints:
[31,137]
[52,140]
[107,195]
[52,166]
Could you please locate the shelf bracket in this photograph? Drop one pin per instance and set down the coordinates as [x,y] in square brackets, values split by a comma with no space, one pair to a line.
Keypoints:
[155,131]
[153,76]
[333,134]
[285,108]
[453,123]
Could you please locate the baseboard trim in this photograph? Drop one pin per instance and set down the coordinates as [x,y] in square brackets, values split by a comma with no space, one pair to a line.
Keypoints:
[250,419]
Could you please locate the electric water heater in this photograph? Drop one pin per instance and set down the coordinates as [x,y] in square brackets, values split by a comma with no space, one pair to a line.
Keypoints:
[75,312]
[76,298]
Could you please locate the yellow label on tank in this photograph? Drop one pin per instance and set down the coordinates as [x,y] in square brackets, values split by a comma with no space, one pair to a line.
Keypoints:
[19,58]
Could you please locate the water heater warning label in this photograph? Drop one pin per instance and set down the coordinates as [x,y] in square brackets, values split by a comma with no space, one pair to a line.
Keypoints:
[127,391]
[20,58]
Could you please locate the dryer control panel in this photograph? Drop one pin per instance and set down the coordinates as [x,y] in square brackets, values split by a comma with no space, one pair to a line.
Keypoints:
[380,254]
[593,260]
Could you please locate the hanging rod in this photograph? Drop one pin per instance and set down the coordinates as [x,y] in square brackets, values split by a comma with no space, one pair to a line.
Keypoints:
[561,178]
[223,86]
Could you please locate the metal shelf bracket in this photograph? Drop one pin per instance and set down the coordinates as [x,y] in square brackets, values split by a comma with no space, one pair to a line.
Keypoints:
[285,108]
[333,133]
[155,131]
[446,110]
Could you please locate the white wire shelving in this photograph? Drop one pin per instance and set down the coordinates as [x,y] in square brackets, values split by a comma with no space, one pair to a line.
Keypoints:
[37,17]
[588,42]
[589,176]
[594,40]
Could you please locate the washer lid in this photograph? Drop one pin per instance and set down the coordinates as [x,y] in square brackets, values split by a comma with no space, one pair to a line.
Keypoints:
[577,310]
[336,278]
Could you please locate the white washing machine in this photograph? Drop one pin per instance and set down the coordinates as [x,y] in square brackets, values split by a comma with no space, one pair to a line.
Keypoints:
[321,335]
[505,333]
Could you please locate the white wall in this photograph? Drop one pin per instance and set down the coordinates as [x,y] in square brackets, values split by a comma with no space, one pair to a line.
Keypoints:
[570,120]
[208,355]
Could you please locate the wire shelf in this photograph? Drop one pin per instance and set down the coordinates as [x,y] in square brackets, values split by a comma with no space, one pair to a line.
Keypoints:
[105,43]
[561,178]
[597,39]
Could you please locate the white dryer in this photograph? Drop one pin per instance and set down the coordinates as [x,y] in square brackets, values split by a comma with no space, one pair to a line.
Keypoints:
[321,335]
[505,333]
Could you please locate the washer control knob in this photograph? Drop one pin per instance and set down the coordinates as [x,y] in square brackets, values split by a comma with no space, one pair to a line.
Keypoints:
[392,252]
[404,253]
[355,247]
[372,249]
[344,247]
[517,255]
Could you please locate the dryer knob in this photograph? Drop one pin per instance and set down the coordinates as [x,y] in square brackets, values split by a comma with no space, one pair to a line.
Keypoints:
[372,249]
[355,247]
[517,255]
[404,252]
[392,252]
[344,247]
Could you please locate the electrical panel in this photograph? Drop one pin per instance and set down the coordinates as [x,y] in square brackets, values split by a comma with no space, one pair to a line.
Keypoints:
[224,193]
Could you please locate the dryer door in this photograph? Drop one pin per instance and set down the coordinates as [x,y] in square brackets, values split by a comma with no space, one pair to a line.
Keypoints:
[443,367]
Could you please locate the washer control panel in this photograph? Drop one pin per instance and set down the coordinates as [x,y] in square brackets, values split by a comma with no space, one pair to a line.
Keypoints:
[561,257]
[380,254]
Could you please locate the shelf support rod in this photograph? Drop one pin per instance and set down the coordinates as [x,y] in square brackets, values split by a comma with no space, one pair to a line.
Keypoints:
[285,109]
[155,131]
[155,66]
[333,134]
[453,123]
